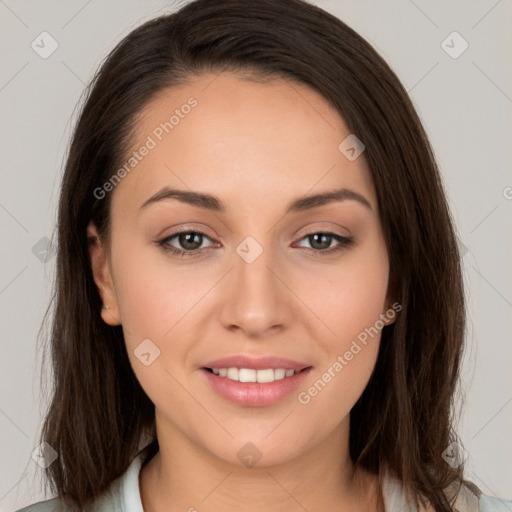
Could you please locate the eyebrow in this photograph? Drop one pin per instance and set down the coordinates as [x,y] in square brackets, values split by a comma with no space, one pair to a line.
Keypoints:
[210,202]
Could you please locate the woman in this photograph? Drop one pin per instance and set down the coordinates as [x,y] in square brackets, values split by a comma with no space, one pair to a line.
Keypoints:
[259,302]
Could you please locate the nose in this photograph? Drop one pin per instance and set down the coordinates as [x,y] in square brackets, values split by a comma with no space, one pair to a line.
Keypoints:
[257,301]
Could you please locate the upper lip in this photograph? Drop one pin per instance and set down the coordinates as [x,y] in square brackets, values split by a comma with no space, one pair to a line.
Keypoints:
[256,363]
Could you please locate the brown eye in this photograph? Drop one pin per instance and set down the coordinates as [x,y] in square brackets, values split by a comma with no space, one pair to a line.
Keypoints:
[321,242]
[188,243]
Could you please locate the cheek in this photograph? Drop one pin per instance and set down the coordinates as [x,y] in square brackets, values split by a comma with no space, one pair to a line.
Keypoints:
[349,296]
[152,294]
[350,300]
[159,300]
[153,301]
[162,302]
[333,390]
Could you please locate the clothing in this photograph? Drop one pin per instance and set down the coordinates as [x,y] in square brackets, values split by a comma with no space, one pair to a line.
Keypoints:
[124,496]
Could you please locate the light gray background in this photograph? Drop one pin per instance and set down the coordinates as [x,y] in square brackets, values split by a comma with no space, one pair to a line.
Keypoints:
[465,104]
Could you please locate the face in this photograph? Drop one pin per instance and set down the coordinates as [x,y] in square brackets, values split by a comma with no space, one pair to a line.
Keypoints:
[245,273]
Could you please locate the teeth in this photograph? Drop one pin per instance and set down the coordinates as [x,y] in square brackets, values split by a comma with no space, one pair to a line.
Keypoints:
[279,373]
[251,375]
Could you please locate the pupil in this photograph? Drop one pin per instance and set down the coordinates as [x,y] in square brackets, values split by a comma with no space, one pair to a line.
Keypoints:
[188,238]
[324,245]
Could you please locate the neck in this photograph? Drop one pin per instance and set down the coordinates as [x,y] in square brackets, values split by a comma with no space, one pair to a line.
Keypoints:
[183,476]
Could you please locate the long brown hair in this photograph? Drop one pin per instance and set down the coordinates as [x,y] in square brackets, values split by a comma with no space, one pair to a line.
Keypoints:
[404,419]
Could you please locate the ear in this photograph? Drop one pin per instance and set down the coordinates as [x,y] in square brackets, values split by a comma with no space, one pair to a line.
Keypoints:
[392,309]
[392,305]
[102,277]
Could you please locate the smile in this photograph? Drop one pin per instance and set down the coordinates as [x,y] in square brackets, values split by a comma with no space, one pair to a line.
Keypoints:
[242,386]
[252,375]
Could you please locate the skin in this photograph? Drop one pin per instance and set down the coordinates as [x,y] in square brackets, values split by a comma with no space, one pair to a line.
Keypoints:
[257,146]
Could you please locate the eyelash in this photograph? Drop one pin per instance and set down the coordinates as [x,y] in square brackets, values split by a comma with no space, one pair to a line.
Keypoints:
[344,242]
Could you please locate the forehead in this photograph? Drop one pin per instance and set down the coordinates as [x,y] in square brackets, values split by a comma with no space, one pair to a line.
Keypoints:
[241,140]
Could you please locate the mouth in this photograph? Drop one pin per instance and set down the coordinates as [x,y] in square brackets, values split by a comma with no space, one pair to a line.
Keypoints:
[250,387]
[262,375]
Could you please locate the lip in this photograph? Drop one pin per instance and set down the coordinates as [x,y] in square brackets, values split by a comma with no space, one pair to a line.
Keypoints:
[256,363]
[254,394]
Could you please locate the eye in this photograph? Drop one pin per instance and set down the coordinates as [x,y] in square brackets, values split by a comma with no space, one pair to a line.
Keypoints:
[320,242]
[190,242]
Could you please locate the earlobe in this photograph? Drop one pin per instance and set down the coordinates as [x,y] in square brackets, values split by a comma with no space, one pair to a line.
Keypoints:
[102,276]
[392,305]
[392,309]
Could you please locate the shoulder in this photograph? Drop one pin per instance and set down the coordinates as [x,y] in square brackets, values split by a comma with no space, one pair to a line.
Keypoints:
[493,504]
[471,499]
[109,501]
[122,495]
[53,505]
[468,497]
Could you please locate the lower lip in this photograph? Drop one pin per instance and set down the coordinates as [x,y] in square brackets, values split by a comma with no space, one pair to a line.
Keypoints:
[255,394]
